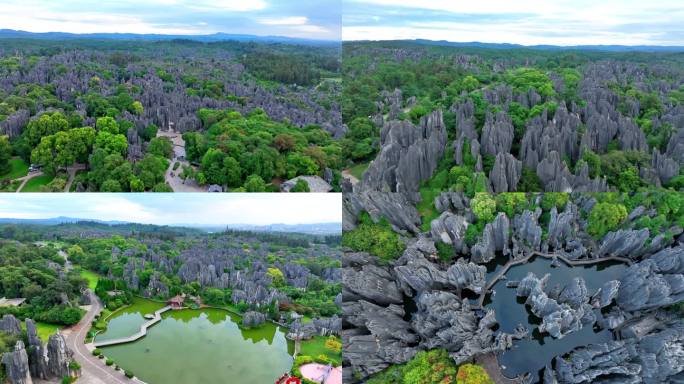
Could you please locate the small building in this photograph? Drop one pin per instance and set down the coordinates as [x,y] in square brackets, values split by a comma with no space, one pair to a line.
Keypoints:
[115,293]
[176,302]
[4,302]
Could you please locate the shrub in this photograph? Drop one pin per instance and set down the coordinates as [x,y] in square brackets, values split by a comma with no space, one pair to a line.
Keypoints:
[97,352]
[483,206]
[605,217]
[375,238]
[472,374]
[333,344]
[109,362]
[445,251]
[554,199]
[129,374]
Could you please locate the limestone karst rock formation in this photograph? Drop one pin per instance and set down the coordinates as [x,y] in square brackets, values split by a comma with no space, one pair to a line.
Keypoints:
[17,365]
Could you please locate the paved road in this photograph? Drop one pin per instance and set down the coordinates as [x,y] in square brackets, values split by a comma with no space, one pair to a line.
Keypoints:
[347,175]
[72,174]
[175,182]
[93,370]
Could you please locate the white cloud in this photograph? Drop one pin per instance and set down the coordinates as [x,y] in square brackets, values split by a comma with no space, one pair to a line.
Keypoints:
[228,5]
[292,20]
[311,29]
[528,22]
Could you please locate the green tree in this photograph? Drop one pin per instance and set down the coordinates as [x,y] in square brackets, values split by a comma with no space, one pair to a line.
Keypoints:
[605,217]
[137,108]
[276,276]
[150,132]
[5,154]
[107,124]
[232,172]
[47,124]
[111,143]
[483,206]
[150,170]
[301,186]
[137,185]
[375,238]
[255,183]
[161,146]
[110,185]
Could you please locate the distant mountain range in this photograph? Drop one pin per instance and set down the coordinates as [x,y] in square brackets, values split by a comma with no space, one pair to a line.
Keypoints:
[314,229]
[608,48]
[14,34]
[56,221]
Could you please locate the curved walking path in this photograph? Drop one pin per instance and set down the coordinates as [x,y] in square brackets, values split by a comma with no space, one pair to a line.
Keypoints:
[348,175]
[71,171]
[26,178]
[93,370]
[138,335]
[524,260]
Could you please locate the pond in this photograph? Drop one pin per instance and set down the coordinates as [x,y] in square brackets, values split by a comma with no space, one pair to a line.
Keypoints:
[531,355]
[198,346]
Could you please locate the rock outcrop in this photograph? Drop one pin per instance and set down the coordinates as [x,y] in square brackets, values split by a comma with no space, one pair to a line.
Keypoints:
[10,324]
[495,238]
[17,365]
[253,319]
[409,154]
[59,356]
[568,313]
[654,358]
[654,282]
[37,353]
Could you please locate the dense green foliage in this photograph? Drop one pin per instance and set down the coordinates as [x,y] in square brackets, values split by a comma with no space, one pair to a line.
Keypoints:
[236,149]
[375,238]
[123,85]
[32,272]
[432,367]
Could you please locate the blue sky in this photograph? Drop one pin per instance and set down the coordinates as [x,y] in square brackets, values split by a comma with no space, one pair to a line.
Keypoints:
[316,19]
[179,208]
[527,22]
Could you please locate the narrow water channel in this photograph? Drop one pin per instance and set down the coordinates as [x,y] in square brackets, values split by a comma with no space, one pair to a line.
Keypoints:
[531,355]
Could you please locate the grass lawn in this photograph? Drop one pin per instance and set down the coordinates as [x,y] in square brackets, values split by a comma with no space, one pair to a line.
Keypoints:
[358,169]
[316,347]
[34,184]
[92,278]
[431,189]
[18,168]
[141,305]
[44,330]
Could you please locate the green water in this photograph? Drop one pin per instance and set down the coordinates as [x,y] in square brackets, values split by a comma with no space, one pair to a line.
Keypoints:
[199,346]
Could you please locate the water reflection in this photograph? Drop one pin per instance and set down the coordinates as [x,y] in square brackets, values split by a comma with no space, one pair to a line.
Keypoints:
[532,354]
[205,345]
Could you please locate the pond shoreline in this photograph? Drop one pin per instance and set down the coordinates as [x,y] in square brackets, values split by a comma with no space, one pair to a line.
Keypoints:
[552,256]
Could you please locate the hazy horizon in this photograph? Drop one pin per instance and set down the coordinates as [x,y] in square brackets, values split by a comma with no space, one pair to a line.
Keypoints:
[220,209]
